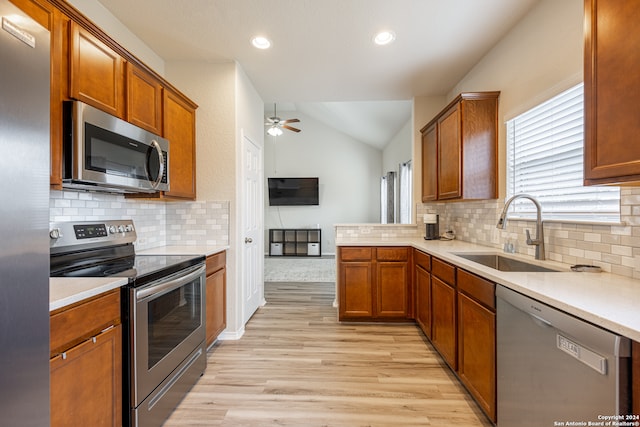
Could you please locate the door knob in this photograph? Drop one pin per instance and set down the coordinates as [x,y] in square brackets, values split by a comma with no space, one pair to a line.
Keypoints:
[248,240]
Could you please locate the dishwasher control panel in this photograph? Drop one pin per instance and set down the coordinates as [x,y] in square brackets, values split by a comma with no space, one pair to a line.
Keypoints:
[586,356]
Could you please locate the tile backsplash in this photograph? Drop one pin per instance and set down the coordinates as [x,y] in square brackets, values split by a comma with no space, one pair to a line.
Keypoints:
[157,223]
[615,248]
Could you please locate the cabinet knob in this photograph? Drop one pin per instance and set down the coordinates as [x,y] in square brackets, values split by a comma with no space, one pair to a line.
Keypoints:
[248,240]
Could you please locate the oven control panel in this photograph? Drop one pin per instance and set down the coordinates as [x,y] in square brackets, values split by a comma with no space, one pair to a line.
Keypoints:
[90,231]
[67,235]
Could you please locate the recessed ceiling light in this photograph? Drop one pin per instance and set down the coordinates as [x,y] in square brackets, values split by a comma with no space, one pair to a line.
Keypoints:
[384,38]
[261,42]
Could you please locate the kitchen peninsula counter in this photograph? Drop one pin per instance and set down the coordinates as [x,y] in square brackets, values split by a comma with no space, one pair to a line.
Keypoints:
[604,299]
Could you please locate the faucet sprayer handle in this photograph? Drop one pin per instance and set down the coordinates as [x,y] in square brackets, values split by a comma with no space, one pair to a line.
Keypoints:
[529,240]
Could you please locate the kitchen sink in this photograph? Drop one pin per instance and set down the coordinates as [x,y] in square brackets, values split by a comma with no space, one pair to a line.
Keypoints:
[503,263]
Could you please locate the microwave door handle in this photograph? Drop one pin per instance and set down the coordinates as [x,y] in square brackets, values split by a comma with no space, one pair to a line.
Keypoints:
[155,145]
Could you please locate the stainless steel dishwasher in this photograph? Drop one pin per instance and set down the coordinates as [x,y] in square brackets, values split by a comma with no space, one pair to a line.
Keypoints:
[553,368]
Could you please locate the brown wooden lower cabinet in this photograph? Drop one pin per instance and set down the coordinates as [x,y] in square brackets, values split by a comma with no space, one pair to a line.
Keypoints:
[355,290]
[216,295]
[86,382]
[456,311]
[443,322]
[476,352]
[423,299]
[373,283]
[86,363]
[391,289]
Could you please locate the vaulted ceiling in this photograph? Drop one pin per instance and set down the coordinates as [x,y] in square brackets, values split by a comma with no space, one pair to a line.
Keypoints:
[322,52]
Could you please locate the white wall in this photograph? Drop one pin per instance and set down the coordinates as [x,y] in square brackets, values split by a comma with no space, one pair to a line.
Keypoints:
[398,150]
[349,176]
[227,104]
[539,58]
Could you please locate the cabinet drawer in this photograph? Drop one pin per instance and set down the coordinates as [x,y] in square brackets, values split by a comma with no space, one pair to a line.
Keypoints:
[78,323]
[478,288]
[444,271]
[216,262]
[421,259]
[392,254]
[356,254]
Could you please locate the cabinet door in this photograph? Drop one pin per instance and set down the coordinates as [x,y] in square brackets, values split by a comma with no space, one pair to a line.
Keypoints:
[355,283]
[216,305]
[423,298]
[96,72]
[449,155]
[443,326]
[612,92]
[179,128]
[391,289]
[144,99]
[477,352]
[86,385]
[430,164]
[59,90]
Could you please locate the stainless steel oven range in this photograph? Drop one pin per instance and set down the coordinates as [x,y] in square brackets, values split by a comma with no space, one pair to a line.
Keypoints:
[163,312]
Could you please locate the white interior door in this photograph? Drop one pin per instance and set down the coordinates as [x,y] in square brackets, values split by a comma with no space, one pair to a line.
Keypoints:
[252,214]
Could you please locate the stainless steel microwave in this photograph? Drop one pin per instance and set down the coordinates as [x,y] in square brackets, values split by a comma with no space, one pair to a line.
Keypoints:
[104,153]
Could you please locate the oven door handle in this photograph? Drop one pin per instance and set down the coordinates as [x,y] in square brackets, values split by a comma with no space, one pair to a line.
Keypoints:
[170,285]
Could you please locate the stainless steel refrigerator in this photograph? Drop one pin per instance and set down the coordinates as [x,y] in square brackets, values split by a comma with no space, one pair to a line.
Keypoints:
[24,220]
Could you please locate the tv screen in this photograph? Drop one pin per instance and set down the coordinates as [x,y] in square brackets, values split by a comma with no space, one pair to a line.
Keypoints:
[293,191]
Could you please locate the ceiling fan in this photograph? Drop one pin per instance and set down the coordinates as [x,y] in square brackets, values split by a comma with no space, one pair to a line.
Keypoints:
[276,124]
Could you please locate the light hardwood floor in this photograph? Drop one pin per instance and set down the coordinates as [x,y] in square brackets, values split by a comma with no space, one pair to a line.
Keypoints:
[297,366]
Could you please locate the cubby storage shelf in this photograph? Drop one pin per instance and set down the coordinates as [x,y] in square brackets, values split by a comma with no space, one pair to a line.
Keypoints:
[295,242]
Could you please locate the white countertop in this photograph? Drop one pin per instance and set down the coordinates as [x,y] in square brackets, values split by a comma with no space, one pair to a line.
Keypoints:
[604,299]
[65,291]
[205,250]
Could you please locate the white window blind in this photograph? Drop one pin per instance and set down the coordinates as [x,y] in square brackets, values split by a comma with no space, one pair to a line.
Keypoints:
[545,160]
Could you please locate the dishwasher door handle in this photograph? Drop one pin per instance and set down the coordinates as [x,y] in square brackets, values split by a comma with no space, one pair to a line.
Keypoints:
[540,321]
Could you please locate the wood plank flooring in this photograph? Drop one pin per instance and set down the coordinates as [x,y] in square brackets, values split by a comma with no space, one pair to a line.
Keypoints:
[297,366]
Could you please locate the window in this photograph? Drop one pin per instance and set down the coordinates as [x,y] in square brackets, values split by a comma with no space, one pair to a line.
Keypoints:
[545,160]
[406,192]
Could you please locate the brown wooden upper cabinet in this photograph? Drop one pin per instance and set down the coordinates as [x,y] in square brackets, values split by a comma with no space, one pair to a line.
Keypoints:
[430,163]
[144,99]
[87,65]
[611,93]
[180,129]
[97,72]
[460,150]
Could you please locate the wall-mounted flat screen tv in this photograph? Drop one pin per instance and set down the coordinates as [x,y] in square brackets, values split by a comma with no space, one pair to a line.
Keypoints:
[293,191]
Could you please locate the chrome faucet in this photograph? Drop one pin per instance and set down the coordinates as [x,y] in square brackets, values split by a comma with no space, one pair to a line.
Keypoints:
[538,242]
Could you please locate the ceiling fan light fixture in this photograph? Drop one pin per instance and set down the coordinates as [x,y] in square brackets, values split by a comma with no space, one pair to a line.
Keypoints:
[384,38]
[261,42]
[274,131]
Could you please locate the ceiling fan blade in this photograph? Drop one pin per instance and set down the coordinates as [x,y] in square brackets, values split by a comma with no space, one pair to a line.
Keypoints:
[291,121]
[290,128]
